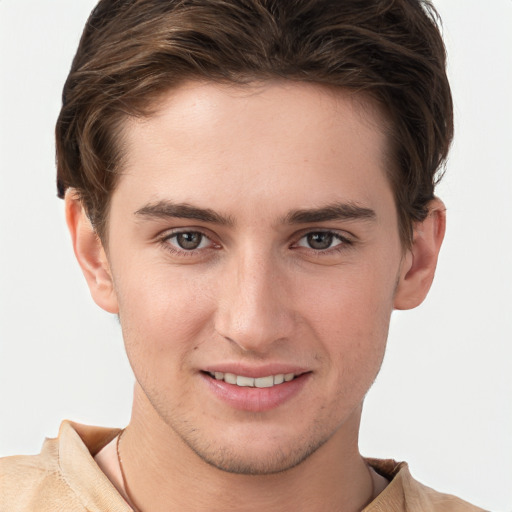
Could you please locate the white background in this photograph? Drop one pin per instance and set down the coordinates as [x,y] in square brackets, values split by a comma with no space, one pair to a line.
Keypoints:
[443,398]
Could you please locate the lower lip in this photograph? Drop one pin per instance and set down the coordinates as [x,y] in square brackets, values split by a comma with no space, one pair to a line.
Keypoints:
[256,399]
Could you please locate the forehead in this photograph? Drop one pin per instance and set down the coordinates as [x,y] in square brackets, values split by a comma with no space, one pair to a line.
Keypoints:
[274,141]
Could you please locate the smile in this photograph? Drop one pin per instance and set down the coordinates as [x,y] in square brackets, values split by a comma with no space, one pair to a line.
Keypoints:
[253,382]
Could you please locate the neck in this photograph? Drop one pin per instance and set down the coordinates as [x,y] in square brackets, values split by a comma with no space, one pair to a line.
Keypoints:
[164,474]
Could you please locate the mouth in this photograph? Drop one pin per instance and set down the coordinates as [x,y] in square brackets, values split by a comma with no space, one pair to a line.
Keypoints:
[253,382]
[255,392]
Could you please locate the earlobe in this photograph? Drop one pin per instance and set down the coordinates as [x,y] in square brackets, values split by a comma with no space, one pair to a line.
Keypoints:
[419,264]
[90,254]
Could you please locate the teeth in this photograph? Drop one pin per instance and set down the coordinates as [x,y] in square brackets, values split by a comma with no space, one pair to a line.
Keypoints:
[229,378]
[247,382]
[260,382]
[264,382]
[278,379]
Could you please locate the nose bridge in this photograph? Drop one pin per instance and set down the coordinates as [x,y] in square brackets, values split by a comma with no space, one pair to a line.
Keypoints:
[251,311]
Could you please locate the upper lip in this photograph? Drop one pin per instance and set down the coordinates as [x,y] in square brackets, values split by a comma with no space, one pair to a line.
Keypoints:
[255,371]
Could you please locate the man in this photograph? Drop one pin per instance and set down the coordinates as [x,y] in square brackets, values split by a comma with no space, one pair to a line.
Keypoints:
[249,185]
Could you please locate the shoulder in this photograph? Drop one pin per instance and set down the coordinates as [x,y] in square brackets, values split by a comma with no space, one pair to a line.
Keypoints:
[405,494]
[35,482]
[64,476]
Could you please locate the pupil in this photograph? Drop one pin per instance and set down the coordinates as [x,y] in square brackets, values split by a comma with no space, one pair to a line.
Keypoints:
[320,240]
[189,240]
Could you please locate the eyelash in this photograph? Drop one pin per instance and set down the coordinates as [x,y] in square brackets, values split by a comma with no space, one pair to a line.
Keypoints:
[164,241]
[344,244]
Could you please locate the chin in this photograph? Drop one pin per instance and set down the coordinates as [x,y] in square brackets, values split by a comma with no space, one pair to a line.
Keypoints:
[244,464]
[259,457]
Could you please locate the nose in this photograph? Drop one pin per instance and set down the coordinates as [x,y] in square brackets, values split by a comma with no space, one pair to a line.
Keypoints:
[253,309]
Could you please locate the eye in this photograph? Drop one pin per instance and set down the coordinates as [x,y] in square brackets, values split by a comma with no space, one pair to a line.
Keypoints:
[189,240]
[321,240]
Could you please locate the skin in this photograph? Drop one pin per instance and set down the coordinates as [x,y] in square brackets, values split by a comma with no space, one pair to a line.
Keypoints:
[277,280]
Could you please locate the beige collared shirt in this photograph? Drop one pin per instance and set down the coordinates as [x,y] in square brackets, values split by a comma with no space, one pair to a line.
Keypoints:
[65,477]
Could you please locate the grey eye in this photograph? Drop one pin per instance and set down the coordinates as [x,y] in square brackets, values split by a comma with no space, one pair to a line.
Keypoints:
[189,240]
[320,240]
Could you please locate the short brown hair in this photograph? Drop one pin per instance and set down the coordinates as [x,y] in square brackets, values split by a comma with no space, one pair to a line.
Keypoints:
[133,50]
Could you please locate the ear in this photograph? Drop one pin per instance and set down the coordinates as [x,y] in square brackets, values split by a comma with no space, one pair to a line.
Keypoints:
[90,254]
[420,261]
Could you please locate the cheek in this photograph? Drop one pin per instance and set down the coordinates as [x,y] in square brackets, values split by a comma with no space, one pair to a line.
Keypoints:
[161,310]
[351,314]
[354,300]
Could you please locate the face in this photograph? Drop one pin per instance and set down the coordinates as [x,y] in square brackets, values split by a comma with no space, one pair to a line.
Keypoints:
[254,253]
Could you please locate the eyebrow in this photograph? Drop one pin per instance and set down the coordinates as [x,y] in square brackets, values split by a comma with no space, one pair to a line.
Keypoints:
[168,209]
[335,211]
